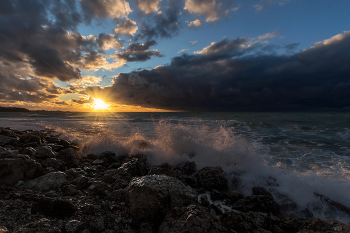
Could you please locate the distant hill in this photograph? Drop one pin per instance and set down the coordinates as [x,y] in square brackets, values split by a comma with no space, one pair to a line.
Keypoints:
[13,109]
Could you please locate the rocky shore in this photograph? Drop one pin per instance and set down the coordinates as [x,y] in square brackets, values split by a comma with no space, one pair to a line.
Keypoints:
[48,185]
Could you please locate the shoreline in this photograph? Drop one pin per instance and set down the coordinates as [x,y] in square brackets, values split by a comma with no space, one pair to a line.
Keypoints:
[45,184]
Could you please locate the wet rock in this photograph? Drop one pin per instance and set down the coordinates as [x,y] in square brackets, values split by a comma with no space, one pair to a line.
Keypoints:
[186,168]
[108,156]
[5,140]
[236,222]
[217,210]
[163,169]
[191,219]
[52,162]
[306,213]
[43,226]
[271,182]
[317,225]
[234,196]
[257,203]
[212,178]
[30,138]
[334,204]
[98,188]
[73,226]
[216,195]
[136,167]
[88,209]
[81,182]
[261,220]
[8,133]
[47,182]
[118,196]
[70,190]
[44,152]
[97,225]
[203,199]
[14,170]
[261,191]
[235,181]
[53,207]
[69,157]
[74,173]
[3,230]
[30,151]
[150,197]
[286,204]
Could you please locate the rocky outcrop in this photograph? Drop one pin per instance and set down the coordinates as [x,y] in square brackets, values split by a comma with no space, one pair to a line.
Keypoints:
[191,219]
[7,141]
[151,197]
[257,203]
[43,225]
[47,182]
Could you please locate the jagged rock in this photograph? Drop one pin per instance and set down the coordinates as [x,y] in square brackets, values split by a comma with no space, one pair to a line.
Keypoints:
[14,170]
[234,196]
[69,156]
[30,138]
[334,204]
[150,197]
[236,222]
[73,226]
[81,182]
[74,173]
[286,204]
[70,190]
[97,225]
[43,225]
[53,207]
[204,200]
[212,178]
[186,168]
[98,188]
[261,191]
[216,195]
[52,162]
[30,151]
[163,169]
[108,156]
[44,152]
[3,230]
[88,209]
[119,196]
[5,140]
[8,133]
[47,182]
[317,225]
[191,219]
[261,220]
[257,203]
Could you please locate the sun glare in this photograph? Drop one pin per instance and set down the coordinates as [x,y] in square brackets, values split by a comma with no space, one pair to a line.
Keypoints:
[100,104]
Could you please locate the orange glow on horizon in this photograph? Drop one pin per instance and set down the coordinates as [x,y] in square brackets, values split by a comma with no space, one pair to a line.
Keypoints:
[100,104]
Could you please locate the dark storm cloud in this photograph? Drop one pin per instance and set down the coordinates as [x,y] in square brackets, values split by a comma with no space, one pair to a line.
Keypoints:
[162,25]
[317,78]
[138,52]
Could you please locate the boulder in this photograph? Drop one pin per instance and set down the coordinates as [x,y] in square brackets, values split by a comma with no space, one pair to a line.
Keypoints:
[234,196]
[73,226]
[5,141]
[30,151]
[257,203]
[99,188]
[186,168]
[44,152]
[236,222]
[212,178]
[16,169]
[69,156]
[53,207]
[52,162]
[316,225]
[163,169]
[43,225]
[47,182]
[151,197]
[191,219]
[97,225]
[30,138]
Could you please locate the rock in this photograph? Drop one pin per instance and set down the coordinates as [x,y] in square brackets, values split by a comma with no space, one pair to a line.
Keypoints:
[261,191]
[135,167]
[53,162]
[216,195]
[30,151]
[69,156]
[88,209]
[8,133]
[97,225]
[317,225]
[163,169]
[47,182]
[43,225]
[191,219]
[286,204]
[334,204]
[261,220]
[236,222]
[81,182]
[73,226]
[119,196]
[44,152]
[203,199]
[108,156]
[3,230]
[74,173]
[186,168]
[212,178]
[53,207]
[235,181]
[70,190]
[151,197]
[30,138]
[98,188]
[5,140]
[234,196]
[14,170]
[257,203]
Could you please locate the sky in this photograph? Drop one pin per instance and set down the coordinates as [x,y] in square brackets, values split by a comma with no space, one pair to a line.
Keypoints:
[175,55]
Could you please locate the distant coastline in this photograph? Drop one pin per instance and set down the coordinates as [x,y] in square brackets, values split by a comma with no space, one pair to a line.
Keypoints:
[13,109]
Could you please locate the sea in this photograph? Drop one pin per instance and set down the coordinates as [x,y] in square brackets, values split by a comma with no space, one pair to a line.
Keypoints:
[303,153]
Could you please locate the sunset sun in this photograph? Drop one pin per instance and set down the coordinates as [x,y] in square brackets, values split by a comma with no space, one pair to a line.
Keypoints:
[100,104]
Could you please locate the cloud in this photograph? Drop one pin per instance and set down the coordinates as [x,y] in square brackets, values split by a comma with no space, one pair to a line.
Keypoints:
[138,52]
[192,42]
[317,78]
[182,50]
[209,8]
[127,27]
[149,6]
[114,9]
[108,41]
[162,25]
[195,23]
[269,36]
[86,81]
[264,4]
